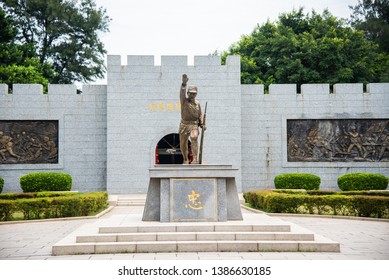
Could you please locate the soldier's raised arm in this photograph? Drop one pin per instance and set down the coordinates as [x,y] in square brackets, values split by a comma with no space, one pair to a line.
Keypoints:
[185,80]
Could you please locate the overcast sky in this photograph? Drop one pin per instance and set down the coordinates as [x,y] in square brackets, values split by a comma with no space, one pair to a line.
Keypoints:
[197,27]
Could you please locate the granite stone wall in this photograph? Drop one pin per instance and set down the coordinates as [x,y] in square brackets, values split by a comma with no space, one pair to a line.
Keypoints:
[143,107]
[108,134]
[82,131]
[264,135]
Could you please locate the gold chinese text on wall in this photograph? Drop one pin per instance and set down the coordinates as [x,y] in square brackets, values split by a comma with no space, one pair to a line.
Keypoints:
[164,106]
[365,140]
[194,201]
[27,142]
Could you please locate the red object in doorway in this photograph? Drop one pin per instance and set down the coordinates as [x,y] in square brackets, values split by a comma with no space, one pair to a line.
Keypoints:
[156,155]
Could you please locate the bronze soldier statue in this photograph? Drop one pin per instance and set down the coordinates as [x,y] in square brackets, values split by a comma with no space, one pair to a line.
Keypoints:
[191,119]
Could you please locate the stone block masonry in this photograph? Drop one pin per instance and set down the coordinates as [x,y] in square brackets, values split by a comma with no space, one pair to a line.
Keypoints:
[264,134]
[108,134]
[82,131]
[143,107]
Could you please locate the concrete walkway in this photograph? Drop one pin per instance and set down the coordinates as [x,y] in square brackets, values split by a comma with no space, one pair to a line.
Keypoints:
[359,239]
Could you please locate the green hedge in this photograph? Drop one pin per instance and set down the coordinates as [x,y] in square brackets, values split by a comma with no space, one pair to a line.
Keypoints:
[54,206]
[352,204]
[369,193]
[297,181]
[362,181]
[1,184]
[14,196]
[46,181]
[329,192]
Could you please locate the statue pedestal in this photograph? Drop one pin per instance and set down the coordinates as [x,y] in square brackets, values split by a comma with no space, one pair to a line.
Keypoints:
[192,193]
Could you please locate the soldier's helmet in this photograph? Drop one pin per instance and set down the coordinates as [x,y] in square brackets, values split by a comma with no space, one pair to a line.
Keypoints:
[192,89]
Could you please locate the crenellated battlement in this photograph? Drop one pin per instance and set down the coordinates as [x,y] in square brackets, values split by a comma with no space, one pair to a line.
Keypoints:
[318,89]
[308,90]
[274,89]
[171,60]
[205,68]
[53,89]
[143,67]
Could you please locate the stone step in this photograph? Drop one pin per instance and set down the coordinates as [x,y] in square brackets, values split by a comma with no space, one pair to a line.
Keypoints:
[196,246]
[197,228]
[195,236]
[128,234]
[127,200]
[130,203]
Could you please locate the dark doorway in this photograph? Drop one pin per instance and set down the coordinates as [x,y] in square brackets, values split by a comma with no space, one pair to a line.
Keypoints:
[168,150]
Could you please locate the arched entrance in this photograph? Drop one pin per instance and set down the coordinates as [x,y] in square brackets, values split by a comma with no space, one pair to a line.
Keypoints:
[168,150]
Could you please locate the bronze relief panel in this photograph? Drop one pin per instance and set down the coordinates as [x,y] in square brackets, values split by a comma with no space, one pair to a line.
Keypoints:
[28,142]
[338,140]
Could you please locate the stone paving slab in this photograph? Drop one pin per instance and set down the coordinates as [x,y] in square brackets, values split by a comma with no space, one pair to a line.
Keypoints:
[132,223]
[359,240]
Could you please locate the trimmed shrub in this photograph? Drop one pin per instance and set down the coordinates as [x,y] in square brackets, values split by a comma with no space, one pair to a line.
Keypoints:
[367,193]
[1,184]
[14,196]
[362,181]
[7,208]
[370,206]
[332,204]
[297,181]
[283,203]
[289,191]
[321,192]
[46,181]
[54,206]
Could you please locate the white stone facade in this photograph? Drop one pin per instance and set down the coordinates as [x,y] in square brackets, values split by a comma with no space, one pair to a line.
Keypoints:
[264,116]
[82,121]
[108,134]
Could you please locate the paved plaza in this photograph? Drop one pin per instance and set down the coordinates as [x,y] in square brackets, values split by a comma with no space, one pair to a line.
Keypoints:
[359,240]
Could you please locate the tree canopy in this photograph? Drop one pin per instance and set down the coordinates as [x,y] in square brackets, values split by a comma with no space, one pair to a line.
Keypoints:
[372,16]
[62,33]
[308,48]
[18,63]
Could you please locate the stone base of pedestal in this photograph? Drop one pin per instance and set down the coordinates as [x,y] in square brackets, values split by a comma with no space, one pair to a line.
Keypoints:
[192,193]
